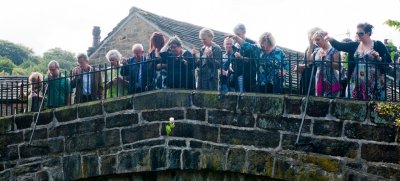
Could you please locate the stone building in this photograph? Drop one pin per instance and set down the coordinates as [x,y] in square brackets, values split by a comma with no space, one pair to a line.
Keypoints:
[138,26]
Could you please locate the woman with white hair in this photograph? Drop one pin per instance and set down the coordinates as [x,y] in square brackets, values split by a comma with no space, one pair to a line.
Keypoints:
[209,62]
[272,69]
[115,84]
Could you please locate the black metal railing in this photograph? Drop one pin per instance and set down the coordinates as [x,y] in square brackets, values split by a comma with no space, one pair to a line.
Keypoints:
[372,81]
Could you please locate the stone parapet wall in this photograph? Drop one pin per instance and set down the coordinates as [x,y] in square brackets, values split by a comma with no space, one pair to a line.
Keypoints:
[252,134]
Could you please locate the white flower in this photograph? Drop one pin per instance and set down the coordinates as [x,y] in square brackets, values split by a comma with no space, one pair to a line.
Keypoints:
[171,120]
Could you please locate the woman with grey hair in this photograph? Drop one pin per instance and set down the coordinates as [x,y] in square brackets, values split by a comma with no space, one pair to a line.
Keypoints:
[244,64]
[272,68]
[180,64]
[115,84]
[209,62]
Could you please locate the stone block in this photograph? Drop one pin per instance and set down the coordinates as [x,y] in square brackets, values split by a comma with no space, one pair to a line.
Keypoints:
[148,143]
[174,159]
[384,171]
[191,159]
[23,121]
[162,115]
[77,128]
[72,167]
[318,107]
[269,104]
[45,117]
[177,143]
[324,162]
[236,160]
[349,110]
[322,146]
[213,158]
[230,118]
[120,120]
[247,103]
[158,158]
[89,109]
[10,138]
[27,169]
[37,148]
[139,133]
[259,162]
[187,130]
[6,124]
[328,128]
[65,114]
[382,133]
[293,105]
[8,153]
[56,145]
[196,114]
[209,99]
[281,123]
[260,139]
[91,141]
[90,166]
[380,153]
[108,165]
[38,134]
[161,99]
[138,159]
[118,104]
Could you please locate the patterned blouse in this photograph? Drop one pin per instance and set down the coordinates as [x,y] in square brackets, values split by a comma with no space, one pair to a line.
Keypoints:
[268,65]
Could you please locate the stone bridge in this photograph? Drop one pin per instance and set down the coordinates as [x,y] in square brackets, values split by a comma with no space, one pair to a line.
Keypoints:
[240,137]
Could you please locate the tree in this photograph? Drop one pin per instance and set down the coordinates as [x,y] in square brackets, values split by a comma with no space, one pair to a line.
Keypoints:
[16,53]
[65,58]
[6,65]
[393,23]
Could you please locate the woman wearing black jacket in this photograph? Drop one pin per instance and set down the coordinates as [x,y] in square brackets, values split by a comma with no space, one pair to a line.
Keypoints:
[368,64]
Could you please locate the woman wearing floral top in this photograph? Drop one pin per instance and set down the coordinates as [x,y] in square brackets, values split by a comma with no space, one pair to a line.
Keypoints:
[271,68]
[327,76]
[367,65]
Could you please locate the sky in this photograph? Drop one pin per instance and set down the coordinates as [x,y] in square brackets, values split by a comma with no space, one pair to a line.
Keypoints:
[45,24]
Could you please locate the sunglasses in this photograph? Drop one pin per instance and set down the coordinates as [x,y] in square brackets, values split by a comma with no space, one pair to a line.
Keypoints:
[360,34]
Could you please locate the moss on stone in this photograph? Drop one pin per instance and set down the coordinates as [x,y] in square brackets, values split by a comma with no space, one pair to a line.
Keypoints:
[6,124]
[328,164]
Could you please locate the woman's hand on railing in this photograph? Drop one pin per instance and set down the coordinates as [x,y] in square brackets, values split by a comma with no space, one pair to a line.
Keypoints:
[299,68]
[376,55]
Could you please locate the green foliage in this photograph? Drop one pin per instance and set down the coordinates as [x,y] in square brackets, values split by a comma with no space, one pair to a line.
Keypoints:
[389,111]
[65,58]
[6,65]
[17,53]
[170,126]
[393,23]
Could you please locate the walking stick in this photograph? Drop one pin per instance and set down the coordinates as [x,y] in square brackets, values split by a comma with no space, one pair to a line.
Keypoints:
[37,117]
[306,106]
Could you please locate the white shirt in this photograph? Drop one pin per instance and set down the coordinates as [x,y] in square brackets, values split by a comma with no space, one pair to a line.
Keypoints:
[86,83]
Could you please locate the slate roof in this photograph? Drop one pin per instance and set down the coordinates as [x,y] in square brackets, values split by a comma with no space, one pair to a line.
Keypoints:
[187,32]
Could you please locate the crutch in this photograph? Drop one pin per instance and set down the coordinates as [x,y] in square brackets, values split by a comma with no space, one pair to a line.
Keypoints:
[37,117]
[305,109]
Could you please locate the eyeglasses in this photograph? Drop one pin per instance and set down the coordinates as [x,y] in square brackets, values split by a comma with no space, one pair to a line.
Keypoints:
[360,34]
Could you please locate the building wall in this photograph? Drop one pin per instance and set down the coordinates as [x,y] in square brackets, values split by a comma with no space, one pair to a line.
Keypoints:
[136,30]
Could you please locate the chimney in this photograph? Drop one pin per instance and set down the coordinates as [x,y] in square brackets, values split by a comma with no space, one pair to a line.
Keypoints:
[96,39]
[96,36]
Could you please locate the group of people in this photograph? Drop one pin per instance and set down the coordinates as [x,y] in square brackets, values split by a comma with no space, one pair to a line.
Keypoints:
[243,66]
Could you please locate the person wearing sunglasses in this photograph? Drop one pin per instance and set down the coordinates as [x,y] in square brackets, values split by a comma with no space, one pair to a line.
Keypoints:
[368,64]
